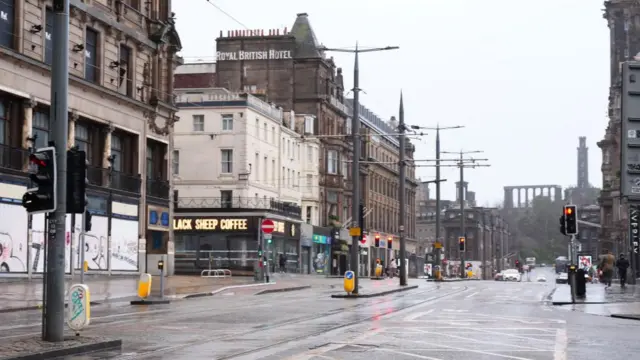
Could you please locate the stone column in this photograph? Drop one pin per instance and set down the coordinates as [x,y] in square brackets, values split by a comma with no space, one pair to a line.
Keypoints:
[27,122]
[71,134]
[519,190]
[106,153]
[526,197]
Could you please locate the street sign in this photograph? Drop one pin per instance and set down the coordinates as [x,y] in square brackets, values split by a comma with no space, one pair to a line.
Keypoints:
[364,239]
[354,231]
[634,227]
[267,236]
[267,226]
[630,139]
[437,245]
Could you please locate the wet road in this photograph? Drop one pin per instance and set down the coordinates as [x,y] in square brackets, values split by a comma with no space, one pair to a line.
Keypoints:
[479,320]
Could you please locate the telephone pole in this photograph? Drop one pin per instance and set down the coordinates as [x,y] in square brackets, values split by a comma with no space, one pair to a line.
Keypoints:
[53,329]
[355,171]
[438,180]
[461,164]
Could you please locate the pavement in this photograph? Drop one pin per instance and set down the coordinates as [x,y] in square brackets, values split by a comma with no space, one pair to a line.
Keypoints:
[436,321]
[600,300]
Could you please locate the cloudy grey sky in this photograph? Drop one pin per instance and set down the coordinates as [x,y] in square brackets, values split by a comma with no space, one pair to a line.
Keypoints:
[526,78]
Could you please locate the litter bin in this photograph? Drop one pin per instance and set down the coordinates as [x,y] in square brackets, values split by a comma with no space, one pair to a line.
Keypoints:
[581,283]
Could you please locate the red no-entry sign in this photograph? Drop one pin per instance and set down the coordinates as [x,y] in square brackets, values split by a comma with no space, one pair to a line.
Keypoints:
[267,226]
[363,241]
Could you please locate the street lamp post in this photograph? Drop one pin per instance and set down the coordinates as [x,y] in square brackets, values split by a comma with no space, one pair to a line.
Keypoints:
[355,128]
[438,180]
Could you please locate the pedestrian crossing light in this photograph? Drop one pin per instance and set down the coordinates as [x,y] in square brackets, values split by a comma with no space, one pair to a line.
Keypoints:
[571,219]
[269,241]
[461,243]
[260,251]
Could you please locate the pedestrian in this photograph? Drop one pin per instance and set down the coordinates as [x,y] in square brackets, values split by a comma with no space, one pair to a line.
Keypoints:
[282,262]
[607,262]
[622,264]
[392,267]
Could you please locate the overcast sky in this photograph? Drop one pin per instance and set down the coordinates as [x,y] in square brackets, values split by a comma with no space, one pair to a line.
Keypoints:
[525,78]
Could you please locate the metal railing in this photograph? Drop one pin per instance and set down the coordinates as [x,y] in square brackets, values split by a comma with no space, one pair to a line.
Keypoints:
[99,176]
[215,273]
[158,188]
[241,203]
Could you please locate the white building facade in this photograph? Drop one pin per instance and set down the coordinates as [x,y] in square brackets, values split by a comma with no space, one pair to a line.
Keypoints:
[241,159]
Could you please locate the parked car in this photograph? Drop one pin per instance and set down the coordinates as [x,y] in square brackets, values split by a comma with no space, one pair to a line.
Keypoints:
[511,275]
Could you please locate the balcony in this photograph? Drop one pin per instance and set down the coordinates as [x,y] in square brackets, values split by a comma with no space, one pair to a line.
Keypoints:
[13,158]
[158,188]
[284,208]
[119,181]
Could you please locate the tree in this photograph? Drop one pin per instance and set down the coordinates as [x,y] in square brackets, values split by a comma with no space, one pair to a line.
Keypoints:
[537,230]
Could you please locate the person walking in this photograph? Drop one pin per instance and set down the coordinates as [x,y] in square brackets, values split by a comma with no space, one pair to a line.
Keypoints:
[622,264]
[607,262]
[282,262]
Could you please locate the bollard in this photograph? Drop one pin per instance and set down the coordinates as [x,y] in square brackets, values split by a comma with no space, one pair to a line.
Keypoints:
[161,268]
[349,283]
[144,288]
[79,308]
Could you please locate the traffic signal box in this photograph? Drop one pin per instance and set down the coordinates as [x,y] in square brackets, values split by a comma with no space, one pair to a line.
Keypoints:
[41,197]
[563,225]
[462,243]
[389,242]
[571,219]
[377,241]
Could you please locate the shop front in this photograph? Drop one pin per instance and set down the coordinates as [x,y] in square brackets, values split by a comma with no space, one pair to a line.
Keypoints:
[321,251]
[227,242]
[306,246]
[285,241]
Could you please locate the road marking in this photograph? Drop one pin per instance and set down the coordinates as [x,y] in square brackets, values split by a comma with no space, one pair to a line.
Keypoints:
[467,339]
[472,295]
[461,349]
[320,351]
[560,352]
[484,330]
[10,327]
[455,310]
[408,354]
[413,317]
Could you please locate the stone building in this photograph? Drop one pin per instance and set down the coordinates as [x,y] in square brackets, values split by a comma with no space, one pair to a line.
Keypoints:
[121,60]
[625,44]
[487,237]
[287,68]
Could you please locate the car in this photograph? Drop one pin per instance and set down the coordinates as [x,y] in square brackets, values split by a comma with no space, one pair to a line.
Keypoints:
[511,275]
[499,276]
[563,278]
[541,278]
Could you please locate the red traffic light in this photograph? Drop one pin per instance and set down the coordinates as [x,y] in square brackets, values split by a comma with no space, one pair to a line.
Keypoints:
[568,211]
[34,159]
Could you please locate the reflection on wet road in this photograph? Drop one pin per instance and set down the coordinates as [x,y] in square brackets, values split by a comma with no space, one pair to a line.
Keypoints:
[480,320]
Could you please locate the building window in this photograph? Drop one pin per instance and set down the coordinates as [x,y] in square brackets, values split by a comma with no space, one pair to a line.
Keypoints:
[175,162]
[265,131]
[125,77]
[226,198]
[91,56]
[3,124]
[227,122]
[134,4]
[82,139]
[274,180]
[116,152]
[332,203]
[227,161]
[7,23]
[150,166]
[308,215]
[265,170]
[41,128]
[48,40]
[198,122]
[332,162]
[273,135]
[309,182]
[308,125]
[345,168]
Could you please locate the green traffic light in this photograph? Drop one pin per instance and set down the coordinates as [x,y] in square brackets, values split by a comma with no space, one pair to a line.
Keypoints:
[269,241]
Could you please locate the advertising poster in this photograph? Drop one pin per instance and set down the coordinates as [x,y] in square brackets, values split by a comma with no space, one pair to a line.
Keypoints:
[124,245]
[13,238]
[585,262]
[37,244]
[95,243]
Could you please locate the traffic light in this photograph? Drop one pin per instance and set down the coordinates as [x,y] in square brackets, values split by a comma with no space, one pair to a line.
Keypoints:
[87,221]
[77,181]
[563,227]
[517,263]
[41,197]
[389,242]
[461,243]
[377,240]
[269,241]
[259,251]
[571,218]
